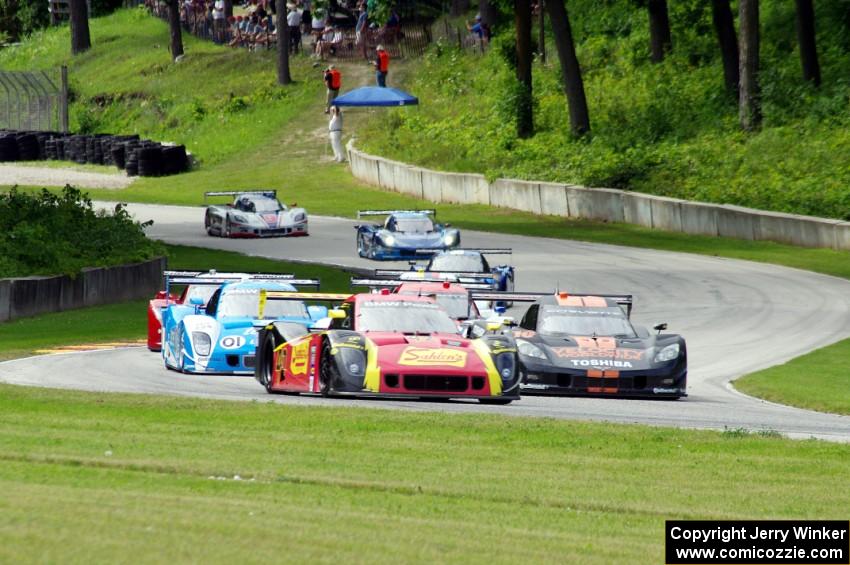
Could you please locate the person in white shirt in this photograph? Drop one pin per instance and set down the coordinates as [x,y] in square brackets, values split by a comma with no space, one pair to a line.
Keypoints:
[293,20]
[335,132]
[218,21]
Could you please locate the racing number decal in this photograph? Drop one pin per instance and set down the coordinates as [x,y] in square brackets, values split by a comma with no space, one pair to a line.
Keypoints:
[232,342]
[300,358]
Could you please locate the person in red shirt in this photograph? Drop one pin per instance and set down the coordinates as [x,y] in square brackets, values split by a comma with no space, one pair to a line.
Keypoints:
[382,65]
[333,80]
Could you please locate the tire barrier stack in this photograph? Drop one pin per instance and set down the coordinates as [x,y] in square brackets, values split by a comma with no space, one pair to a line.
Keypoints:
[139,157]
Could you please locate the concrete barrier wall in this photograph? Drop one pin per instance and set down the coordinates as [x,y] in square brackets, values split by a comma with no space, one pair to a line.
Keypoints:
[601,204]
[31,296]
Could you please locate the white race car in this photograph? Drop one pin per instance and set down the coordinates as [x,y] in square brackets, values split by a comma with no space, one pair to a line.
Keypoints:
[254,213]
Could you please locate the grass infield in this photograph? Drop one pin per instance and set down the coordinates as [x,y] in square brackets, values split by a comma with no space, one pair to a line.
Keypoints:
[89,476]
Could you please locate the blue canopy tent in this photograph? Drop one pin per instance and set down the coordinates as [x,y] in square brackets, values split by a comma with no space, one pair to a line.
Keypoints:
[375,96]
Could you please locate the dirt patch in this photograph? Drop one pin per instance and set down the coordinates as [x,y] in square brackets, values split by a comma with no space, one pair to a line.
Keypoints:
[46,176]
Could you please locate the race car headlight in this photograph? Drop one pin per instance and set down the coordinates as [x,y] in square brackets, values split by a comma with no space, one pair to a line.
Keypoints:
[449,239]
[667,354]
[299,218]
[388,240]
[240,219]
[506,365]
[202,343]
[529,349]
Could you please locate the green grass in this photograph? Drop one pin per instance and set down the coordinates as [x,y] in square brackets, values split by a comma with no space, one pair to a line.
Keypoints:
[128,320]
[817,381]
[103,477]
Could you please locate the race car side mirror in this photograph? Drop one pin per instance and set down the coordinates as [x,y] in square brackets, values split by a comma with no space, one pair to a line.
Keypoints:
[660,327]
[196,301]
[447,225]
[336,314]
[357,226]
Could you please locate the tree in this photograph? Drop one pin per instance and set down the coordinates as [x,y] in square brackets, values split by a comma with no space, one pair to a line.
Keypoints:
[489,12]
[283,75]
[79,16]
[806,38]
[659,30]
[724,26]
[541,28]
[459,7]
[749,96]
[525,102]
[573,84]
[174,27]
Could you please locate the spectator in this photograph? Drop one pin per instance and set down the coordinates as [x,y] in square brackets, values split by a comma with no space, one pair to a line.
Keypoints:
[333,80]
[293,20]
[362,25]
[218,21]
[382,65]
[317,27]
[335,133]
[306,16]
[479,29]
[330,40]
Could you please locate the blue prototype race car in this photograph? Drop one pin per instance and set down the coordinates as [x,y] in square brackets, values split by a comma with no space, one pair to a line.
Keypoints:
[404,235]
[221,337]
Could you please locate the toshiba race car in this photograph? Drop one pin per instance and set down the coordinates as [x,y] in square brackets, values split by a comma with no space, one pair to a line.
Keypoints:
[221,336]
[405,234]
[255,213]
[586,344]
[387,345]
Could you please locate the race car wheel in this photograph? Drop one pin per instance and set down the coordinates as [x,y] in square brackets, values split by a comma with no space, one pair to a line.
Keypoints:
[227,228]
[496,401]
[178,353]
[265,364]
[362,247]
[208,224]
[328,371]
[509,287]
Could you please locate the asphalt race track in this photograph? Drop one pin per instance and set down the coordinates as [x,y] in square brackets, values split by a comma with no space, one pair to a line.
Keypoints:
[737,317]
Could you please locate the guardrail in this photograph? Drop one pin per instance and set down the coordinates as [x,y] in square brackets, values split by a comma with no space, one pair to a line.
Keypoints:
[602,204]
[30,296]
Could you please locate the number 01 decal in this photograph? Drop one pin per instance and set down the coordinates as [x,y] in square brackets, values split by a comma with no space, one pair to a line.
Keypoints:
[232,342]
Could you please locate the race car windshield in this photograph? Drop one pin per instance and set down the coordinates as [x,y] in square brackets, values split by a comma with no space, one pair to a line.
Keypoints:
[451,262]
[243,304]
[266,205]
[456,305]
[204,292]
[404,317]
[609,322]
[414,225]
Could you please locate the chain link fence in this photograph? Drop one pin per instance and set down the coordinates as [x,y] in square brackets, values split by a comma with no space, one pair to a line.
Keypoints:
[34,100]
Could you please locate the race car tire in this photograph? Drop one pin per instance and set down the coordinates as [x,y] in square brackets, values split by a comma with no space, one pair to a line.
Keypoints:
[178,354]
[208,224]
[265,361]
[327,371]
[361,245]
[226,232]
[496,401]
[509,287]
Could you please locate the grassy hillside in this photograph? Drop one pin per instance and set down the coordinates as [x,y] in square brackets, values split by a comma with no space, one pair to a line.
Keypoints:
[667,129]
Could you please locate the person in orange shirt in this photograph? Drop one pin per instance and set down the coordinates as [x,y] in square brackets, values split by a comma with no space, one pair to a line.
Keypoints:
[382,65]
[333,80]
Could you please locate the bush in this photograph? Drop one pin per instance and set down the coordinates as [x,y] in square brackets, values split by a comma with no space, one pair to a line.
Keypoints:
[48,234]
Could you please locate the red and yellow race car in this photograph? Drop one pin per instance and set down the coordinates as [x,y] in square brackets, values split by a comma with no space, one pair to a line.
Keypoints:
[386,345]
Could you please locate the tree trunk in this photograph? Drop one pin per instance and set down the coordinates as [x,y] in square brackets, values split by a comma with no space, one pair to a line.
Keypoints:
[228,8]
[724,25]
[79,17]
[174,27]
[489,12]
[541,37]
[749,98]
[806,38]
[659,30]
[283,76]
[459,7]
[525,109]
[573,84]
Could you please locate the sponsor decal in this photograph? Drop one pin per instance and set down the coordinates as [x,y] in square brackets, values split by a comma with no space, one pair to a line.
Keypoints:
[299,358]
[596,352]
[280,367]
[428,357]
[524,333]
[232,342]
[535,386]
[601,363]
[270,219]
[665,390]
[398,304]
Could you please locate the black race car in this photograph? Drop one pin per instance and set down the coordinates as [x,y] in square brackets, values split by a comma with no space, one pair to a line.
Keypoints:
[585,345]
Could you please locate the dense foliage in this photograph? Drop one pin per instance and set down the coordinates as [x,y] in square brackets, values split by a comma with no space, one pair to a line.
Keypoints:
[667,128]
[19,18]
[47,233]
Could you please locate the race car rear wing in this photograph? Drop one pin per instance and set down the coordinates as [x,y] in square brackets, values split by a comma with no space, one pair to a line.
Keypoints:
[393,283]
[271,193]
[194,278]
[482,250]
[362,213]
[623,300]
[450,276]
[266,295]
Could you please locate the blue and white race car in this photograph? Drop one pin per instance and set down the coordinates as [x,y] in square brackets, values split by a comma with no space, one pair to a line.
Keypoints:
[404,235]
[221,336]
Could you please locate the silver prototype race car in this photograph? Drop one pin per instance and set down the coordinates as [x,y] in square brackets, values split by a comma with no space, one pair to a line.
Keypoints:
[253,213]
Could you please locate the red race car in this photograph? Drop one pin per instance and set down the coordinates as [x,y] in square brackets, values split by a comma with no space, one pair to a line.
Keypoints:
[198,287]
[453,297]
[388,345]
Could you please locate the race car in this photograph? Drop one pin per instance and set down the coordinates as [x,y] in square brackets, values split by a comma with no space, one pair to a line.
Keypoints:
[405,234]
[220,338]
[580,344]
[253,213]
[387,345]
